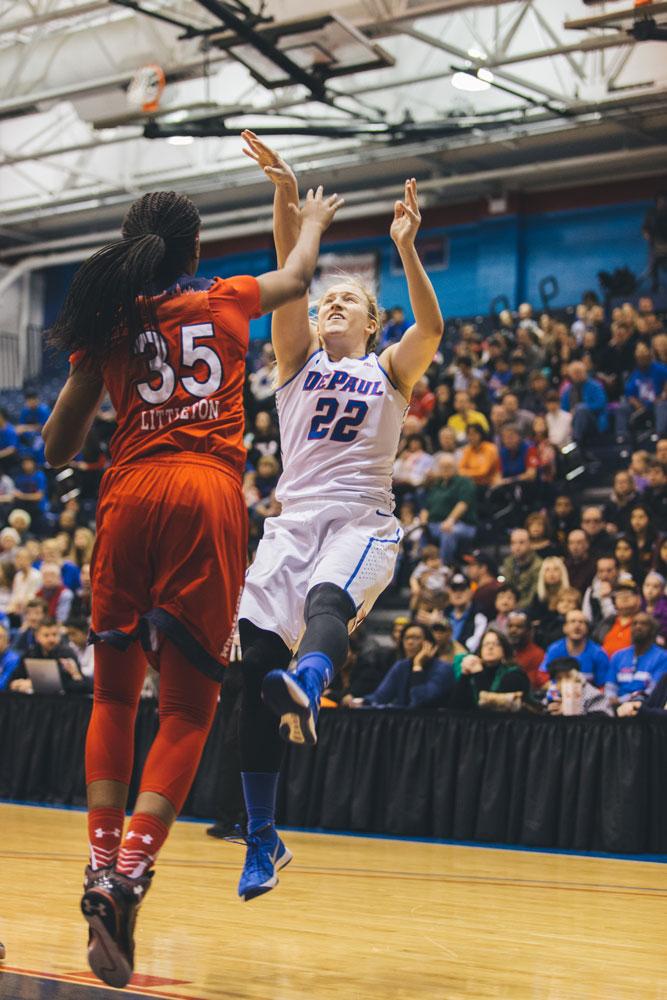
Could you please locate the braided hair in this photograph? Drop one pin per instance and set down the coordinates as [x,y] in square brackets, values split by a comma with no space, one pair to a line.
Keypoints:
[110,295]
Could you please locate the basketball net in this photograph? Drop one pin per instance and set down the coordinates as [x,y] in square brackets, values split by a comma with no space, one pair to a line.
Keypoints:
[146,88]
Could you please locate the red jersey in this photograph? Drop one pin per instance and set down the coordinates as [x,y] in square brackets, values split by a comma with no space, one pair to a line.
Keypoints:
[184,390]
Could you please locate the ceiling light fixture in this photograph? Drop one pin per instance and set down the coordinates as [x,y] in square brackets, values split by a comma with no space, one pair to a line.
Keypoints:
[473,81]
[180,140]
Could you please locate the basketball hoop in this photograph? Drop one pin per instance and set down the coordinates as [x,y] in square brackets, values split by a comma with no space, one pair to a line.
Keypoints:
[146,88]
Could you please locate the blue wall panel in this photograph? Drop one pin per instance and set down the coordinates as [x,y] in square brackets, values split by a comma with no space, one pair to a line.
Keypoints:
[575,245]
[507,255]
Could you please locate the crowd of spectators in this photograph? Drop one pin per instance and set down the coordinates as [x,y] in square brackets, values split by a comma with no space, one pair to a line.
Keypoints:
[531,485]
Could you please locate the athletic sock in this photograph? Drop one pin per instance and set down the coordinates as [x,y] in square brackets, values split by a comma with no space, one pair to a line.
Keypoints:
[145,836]
[259,791]
[105,832]
[321,666]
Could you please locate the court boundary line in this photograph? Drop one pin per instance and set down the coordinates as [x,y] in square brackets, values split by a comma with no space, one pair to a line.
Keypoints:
[659,859]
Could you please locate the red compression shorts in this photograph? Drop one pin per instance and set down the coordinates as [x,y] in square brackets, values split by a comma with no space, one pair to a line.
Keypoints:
[170,557]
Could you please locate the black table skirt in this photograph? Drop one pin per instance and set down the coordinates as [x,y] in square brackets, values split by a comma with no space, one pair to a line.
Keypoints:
[584,784]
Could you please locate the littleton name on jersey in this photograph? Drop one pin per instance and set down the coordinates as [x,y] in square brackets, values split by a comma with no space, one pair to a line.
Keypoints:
[340,423]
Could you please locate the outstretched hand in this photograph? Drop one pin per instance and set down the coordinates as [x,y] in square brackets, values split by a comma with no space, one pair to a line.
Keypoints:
[273,165]
[407,218]
[317,208]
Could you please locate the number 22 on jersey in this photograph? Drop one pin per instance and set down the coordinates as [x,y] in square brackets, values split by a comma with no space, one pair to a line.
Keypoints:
[191,352]
[346,428]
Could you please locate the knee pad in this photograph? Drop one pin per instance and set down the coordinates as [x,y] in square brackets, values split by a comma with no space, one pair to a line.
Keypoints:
[327,613]
[329,599]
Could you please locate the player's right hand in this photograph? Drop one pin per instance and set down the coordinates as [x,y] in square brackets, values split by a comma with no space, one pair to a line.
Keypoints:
[273,165]
[318,209]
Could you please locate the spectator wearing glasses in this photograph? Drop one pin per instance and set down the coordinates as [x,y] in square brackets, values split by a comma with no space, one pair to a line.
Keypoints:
[491,680]
[418,680]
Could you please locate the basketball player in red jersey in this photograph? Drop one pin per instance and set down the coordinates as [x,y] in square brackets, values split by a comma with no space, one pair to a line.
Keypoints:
[170,553]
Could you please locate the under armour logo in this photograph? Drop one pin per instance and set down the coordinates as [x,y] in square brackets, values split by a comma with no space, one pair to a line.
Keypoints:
[138,890]
[99,833]
[145,837]
[99,908]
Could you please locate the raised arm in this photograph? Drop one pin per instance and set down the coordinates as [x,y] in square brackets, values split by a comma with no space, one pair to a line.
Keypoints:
[408,360]
[293,280]
[291,332]
[67,428]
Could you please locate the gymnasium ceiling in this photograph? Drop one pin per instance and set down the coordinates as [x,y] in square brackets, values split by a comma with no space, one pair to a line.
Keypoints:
[565,105]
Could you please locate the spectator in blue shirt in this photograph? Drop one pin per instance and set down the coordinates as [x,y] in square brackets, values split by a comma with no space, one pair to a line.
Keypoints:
[586,400]
[645,393]
[8,442]
[592,659]
[30,484]
[418,680]
[9,659]
[34,414]
[634,672]
[518,458]
[395,326]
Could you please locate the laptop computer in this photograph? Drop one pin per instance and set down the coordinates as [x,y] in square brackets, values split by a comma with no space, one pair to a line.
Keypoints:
[45,676]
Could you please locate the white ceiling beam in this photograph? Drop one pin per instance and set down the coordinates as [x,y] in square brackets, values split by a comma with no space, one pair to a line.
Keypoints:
[453,50]
[61,14]
[546,27]
[590,44]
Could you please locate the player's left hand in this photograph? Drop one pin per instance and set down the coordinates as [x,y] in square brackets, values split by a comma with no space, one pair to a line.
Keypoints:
[407,218]
[273,165]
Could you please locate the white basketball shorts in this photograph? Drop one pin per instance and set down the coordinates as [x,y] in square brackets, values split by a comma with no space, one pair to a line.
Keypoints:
[350,544]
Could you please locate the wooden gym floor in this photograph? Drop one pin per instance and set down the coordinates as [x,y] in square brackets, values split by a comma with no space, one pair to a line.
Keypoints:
[352,919]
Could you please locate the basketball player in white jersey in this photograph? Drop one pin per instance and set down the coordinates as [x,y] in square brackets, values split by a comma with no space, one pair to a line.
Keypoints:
[323,562]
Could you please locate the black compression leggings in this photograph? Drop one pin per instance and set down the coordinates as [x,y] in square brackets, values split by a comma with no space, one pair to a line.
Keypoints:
[328,610]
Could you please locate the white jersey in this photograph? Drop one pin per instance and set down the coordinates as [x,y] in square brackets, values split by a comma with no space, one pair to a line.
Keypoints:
[340,424]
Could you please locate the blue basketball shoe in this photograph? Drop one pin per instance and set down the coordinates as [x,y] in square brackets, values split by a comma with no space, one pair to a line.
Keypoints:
[265,855]
[295,698]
